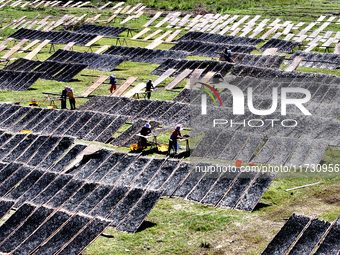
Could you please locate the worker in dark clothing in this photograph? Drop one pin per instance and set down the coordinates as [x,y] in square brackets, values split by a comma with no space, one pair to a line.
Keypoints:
[217,78]
[227,55]
[149,86]
[71,98]
[63,98]
[113,82]
[173,144]
[146,130]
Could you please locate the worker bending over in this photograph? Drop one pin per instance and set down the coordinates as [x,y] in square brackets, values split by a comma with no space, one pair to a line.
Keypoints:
[227,54]
[146,130]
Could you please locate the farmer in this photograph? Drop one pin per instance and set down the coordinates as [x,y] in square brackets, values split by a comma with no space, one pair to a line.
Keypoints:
[146,130]
[71,98]
[149,86]
[227,54]
[113,82]
[63,98]
[173,139]
[217,78]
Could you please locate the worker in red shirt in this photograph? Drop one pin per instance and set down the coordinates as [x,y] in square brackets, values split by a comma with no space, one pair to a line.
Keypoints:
[113,82]
[173,144]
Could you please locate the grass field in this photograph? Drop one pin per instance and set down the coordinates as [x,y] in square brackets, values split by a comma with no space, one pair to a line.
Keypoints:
[176,226]
[208,5]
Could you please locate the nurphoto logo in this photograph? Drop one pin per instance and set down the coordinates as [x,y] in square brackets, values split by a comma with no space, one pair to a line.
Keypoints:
[238,107]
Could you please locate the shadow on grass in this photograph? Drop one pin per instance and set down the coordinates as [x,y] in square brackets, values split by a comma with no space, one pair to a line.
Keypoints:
[119,69]
[74,80]
[260,206]
[152,151]
[184,154]
[146,224]
[172,155]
